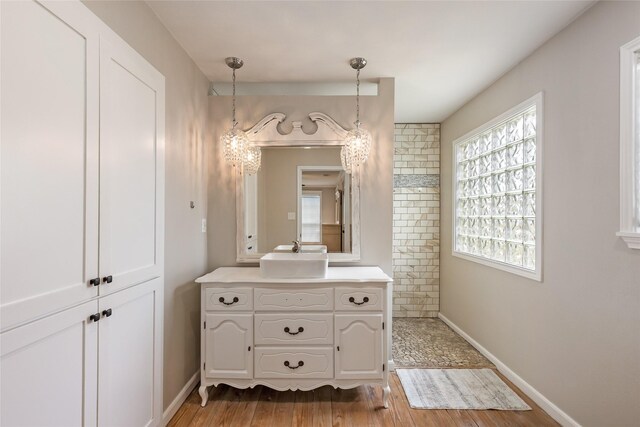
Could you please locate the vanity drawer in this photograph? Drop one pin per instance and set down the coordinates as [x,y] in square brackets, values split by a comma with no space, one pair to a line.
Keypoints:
[293,362]
[228,299]
[361,299]
[293,300]
[293,328]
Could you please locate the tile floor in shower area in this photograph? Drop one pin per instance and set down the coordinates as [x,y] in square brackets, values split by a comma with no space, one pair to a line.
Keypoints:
[430,343]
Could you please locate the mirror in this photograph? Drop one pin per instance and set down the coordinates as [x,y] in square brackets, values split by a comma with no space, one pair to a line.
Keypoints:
[324,207]
[300,192]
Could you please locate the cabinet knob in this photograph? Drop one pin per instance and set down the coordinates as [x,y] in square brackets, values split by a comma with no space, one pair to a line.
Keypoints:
[107,279]
[288,365]
[108,312]
[235,300]
[95,317]
[250,236]
[95,282]
[287,330]
[353,300]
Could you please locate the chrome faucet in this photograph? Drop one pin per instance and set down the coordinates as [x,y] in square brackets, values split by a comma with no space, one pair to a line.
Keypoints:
[296,246]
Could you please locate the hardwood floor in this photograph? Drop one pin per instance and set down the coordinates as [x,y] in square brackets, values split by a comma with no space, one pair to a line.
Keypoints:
[361,406]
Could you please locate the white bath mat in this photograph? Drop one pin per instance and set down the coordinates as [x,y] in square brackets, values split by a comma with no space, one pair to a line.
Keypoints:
[458,389]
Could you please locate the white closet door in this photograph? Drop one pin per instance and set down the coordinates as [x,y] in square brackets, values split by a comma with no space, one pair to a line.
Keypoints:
[49,158]
[48,370]
[131,167]
[130,357]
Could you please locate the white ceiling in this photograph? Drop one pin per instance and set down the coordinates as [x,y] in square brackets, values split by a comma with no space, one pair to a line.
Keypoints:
[441,53]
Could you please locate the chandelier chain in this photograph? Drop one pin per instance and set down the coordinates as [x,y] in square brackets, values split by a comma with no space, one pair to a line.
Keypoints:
[234,123]
[358,98]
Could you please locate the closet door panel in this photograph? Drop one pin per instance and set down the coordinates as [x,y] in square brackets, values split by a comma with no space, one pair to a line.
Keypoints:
[49,370]
[131,167]
[130,357]
[49,158]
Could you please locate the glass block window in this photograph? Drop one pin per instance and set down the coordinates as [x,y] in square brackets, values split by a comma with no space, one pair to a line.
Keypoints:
[495,174]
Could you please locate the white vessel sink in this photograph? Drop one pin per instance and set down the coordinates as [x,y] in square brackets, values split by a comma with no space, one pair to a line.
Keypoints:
[294,266]
[316,249]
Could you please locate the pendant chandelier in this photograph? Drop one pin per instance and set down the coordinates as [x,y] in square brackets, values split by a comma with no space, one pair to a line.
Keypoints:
[237,149]
[252,159]
[357,144]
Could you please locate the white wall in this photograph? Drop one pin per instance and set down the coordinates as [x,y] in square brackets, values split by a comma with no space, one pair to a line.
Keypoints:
[186,136]
[575,337]
[377,174]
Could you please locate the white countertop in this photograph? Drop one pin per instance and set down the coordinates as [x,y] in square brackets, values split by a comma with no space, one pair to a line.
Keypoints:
[334,274]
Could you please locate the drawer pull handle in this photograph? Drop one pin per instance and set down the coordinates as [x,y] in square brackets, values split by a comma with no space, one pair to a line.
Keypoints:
[235,300]
[287,364]
[353,300]
[287,330]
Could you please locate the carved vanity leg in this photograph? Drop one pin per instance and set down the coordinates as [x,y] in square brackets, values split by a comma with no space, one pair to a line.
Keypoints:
[204,395]
[386,391]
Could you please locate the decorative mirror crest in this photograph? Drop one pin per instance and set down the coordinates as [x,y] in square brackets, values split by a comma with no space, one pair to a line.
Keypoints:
[265,133]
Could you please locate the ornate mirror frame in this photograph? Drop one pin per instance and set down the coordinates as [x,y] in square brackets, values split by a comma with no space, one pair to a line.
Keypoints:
[265,134]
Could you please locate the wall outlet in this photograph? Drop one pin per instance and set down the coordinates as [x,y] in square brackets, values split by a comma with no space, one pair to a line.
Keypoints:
[291,215]
[204,225]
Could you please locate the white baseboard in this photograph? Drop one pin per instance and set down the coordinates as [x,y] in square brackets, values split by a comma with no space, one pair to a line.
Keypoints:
[549,407]
[392,365]
[180,398]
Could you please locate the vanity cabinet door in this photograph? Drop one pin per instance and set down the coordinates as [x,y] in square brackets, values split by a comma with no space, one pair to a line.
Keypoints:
[229,346]
[358,346]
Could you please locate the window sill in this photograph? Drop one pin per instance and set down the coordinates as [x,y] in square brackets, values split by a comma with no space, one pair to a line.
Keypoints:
[632,239]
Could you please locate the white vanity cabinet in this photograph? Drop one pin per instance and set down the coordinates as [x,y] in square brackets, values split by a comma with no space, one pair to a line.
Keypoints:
[291,334]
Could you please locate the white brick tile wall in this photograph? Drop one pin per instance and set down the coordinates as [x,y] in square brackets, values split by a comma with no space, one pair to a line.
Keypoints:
[416,221]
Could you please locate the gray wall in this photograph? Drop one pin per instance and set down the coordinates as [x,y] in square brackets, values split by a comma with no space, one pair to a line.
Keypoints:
[575,337]
[186,135]
[377,173]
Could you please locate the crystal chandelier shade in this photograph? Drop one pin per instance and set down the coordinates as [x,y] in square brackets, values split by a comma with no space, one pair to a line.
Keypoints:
[234,144]
[358,146]
[252,159]
[236,147]
[357,143]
